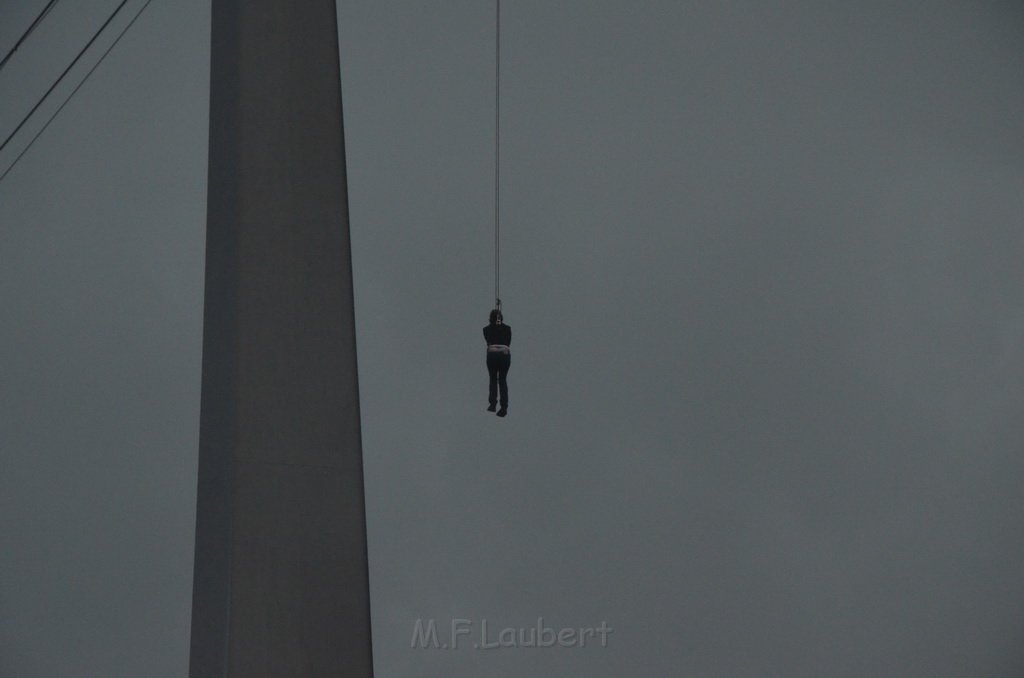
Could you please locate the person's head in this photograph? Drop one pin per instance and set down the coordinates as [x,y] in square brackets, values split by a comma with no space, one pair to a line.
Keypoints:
[496,317]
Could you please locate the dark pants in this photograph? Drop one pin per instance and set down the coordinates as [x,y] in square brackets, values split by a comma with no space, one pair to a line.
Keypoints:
[497,367]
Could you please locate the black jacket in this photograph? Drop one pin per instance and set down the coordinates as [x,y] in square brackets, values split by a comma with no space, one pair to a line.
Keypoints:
[498,334]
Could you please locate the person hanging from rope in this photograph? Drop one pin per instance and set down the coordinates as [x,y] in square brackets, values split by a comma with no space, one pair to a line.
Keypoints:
[499,357]
[497,334]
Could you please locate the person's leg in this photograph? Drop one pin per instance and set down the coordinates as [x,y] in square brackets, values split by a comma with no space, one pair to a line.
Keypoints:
[492,385]
[503,366]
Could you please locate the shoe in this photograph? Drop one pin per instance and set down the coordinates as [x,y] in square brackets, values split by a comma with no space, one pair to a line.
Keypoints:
[502,412]
[491,407]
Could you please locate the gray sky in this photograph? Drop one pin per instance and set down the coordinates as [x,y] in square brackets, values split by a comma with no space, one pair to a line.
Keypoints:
[762,265]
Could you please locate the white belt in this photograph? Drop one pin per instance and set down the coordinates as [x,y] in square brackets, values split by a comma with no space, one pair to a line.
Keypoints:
[498,348]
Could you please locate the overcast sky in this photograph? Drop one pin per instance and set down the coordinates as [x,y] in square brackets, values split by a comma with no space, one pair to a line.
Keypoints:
[762,262]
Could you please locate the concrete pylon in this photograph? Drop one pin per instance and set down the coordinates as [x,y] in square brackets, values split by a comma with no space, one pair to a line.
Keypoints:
[281,579]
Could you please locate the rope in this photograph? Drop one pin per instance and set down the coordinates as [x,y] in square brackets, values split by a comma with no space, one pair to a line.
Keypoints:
[497,151]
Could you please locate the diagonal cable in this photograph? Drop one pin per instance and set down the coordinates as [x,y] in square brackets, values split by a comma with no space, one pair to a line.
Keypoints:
[57,81]
[79,86]
[28,32]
